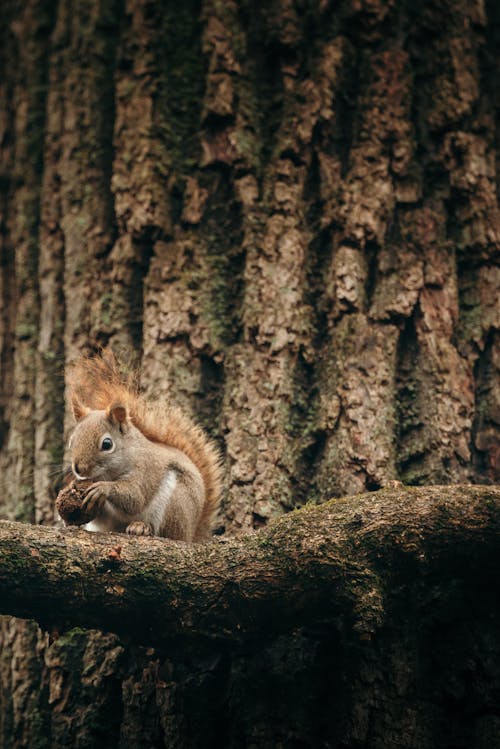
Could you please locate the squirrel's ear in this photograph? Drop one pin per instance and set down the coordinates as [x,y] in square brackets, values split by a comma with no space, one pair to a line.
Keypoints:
[79,410]
[117,414]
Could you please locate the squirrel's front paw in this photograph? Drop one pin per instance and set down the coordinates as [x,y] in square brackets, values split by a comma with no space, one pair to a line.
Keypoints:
[138,528]
[95,498]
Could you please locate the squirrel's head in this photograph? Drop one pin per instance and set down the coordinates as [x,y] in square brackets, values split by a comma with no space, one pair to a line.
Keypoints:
[98,444]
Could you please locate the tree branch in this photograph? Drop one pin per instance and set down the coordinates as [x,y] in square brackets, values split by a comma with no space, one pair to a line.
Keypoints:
[349,559]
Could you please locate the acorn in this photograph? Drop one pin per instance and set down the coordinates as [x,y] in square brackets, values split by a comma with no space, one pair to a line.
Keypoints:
[69,503]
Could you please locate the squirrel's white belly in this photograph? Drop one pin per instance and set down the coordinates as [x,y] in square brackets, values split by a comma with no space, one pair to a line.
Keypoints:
[155,510]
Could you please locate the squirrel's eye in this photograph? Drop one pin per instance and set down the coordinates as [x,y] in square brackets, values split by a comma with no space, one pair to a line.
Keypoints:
[107,444]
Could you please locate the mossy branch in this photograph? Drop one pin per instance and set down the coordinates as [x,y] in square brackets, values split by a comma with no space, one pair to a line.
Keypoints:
[349,560]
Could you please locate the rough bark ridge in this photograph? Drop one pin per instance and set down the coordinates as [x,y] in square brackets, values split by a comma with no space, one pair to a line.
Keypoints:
[336,603]
[289,215]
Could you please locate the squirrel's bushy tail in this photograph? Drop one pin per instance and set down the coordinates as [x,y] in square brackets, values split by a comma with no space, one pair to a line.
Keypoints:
[97,382]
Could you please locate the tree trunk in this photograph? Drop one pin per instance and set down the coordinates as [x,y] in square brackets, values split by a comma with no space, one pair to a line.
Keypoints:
[287,214]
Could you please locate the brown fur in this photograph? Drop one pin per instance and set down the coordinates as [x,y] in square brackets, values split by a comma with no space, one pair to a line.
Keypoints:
[96,384]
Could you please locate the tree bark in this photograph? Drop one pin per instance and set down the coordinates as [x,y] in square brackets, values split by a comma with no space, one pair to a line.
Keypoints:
[347,560]
[366,622]
[287,214]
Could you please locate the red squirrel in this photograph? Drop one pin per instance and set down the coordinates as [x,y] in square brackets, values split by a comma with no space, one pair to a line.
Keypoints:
[153,470]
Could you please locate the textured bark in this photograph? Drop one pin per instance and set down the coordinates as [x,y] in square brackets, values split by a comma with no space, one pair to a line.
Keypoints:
[323,564]
[344,599]
[289,217]
[287,214]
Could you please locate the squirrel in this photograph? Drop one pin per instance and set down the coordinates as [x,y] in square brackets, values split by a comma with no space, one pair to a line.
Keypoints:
[153,470]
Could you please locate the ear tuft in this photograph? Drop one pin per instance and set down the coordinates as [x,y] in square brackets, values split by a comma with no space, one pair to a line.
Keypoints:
[79,410]
[117,414]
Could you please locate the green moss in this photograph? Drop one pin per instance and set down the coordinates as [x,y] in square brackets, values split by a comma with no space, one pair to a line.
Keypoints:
[182,84]
[472,320]
[106,309]
[39,725]
[56,452]
[248,145]
[70,647]
[25,330]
